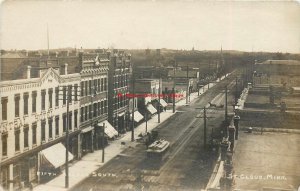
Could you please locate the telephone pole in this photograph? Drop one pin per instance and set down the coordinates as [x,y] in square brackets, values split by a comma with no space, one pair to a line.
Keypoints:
[205,124]
[226,106]
[173,89]
[159,81]
[188,83]
[67,98]
[133,104]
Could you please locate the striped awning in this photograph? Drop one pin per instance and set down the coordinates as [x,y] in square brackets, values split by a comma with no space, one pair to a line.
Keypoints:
[151,109]
[109,130]
[137,116]
[163,103]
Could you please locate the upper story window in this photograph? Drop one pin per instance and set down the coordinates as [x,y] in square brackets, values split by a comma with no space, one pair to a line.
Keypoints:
[76,92]
[50,93]
[43,100]
[81,88]
[4,101]
[4,144]
[34,125]
[17,105]
[26,97]
[17,140]
[64,95]
[34,95]
[86,88]
[57,96]
[26,129]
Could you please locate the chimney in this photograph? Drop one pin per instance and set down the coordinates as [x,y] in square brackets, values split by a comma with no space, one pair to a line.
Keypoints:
[28,72]
[66,68]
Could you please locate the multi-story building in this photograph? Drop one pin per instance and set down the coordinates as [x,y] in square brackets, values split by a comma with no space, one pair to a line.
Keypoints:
[120,70]
[94,101]
[34,121]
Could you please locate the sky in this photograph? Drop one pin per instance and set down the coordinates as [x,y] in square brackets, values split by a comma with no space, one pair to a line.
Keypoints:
[272,26]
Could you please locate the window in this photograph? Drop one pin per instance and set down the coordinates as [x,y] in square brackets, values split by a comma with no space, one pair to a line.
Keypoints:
[64,122]
[56,125]
[105,84]
[102,108]
[102,85]
[99,108]
[99,86]
[75,118]
[34,133]
[95,110]
[76,92]
[50,92]
[69,93]
[16,176]
[95,87]
[17,140]
[50,121]
[26,129]
[90,112]
[86,113]
[70,121]
[4,101]
[64,95]
[43,99]
[4,144]
[90,87]
[57,96]
[105,106]
[81,114]
[34,95]
[26,97]
[86,87]
[81,88]
[43,130]
[17,105]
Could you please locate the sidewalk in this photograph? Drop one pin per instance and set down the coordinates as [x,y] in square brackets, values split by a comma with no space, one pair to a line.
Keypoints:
[79,170]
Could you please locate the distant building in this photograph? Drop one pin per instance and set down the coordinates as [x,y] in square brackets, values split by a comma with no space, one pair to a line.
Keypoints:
[284,72]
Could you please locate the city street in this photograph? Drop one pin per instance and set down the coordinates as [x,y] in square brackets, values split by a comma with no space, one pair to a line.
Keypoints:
[187,165]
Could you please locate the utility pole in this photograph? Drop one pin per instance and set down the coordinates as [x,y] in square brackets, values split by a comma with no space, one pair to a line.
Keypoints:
[159,97]
[146,118]
[187,83]
[236,91]
[204,120]
[67,98]
[67,138]
[226,106]
[103,132]
[173,89]
[133,104]
[204,124]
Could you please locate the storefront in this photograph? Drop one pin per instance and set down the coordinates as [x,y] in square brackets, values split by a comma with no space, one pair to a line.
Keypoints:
[87,136]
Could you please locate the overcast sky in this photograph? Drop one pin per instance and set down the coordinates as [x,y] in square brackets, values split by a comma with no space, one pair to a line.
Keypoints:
[261,26]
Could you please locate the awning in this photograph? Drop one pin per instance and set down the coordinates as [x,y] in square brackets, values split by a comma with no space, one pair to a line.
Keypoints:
[137,116]
[109,129]
[56,155]
[151,109]
[88,129]
[121,114]
[163,103]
